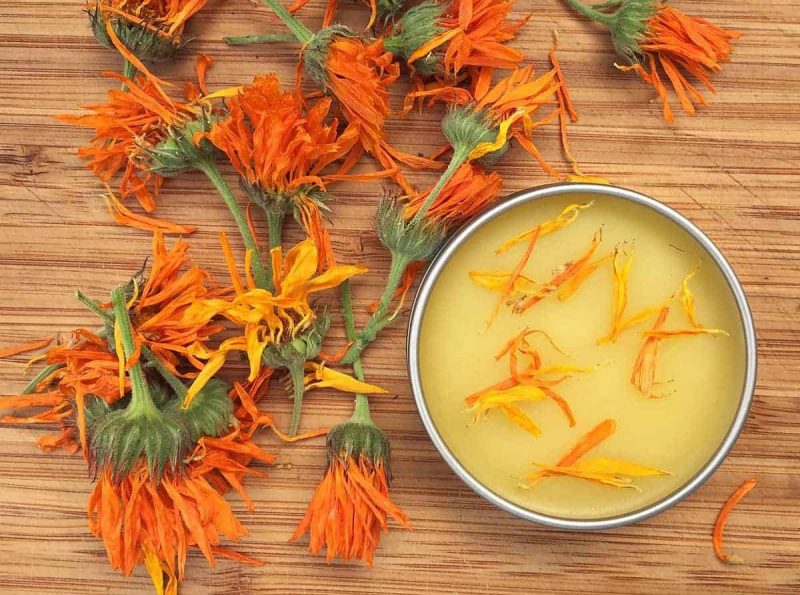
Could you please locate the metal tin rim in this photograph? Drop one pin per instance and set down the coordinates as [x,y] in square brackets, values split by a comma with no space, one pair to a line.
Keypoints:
[415,323]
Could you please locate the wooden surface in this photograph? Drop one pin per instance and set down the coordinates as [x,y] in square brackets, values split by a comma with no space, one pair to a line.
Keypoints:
[733,170]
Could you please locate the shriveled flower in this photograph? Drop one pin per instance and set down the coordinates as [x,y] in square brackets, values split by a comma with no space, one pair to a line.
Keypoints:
[280,148]
[358,74]
[149,30]
[280,329]
[445,38]
[351,506]
[660,41]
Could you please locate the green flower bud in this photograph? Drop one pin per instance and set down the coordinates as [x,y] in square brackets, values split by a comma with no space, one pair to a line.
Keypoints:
[628,26]
[145,44]
[416,28]
[178,152]
[315,54]
[410,239]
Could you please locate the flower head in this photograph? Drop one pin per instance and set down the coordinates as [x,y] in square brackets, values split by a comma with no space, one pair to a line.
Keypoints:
[149,29]
[660,41]
[437,38]
[351,505]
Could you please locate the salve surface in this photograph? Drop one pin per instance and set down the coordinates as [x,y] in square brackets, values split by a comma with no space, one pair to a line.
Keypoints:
[701,377]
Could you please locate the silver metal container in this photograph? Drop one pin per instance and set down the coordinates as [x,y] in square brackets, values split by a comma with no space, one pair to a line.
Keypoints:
[715,255]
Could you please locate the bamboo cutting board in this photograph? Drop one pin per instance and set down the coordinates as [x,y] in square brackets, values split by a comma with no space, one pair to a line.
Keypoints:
[733,170]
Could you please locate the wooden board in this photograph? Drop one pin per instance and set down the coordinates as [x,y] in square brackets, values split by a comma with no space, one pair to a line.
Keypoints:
[733,170]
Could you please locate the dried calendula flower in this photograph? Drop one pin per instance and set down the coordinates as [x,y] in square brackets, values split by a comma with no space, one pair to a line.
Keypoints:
[722,518]
[149,30]
[653,36]
[351,505]
[603,470]
[445,38]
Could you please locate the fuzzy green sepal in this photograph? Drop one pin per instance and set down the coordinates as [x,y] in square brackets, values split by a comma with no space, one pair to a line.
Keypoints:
[389,9]
[145,44]
[627,23]
[123,437]
[466,127]
[315,54]
[209,414]
[416,28]
[409,239]
[356,438]
[178,152]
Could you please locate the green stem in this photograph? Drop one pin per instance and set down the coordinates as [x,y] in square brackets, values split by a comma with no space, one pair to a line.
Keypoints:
[460,157]
[129,71]
[94,307]
[275,222]
[209,168]
[298,29]
[178,387]
[141,400]
[266,38]
[40,377]
[361,411]
[595,15]
[379,319]
[297,375]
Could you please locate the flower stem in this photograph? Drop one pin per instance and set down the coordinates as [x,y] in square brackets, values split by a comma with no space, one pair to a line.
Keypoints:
[128,71]
[298,29]
[595,15]
[141,400]
[275,222]
[209,168]
[297,375]
[379,319]
[94,306]
[178,387]
[266,38]
[40,377]
[361,410]
[460,156]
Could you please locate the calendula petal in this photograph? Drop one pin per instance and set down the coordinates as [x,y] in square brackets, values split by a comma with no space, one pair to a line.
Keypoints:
[322,377]
[567,216]
[498,281]
[207,373]
[519,417]
[618,467]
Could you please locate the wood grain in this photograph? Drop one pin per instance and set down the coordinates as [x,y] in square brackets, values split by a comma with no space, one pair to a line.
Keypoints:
[733,170]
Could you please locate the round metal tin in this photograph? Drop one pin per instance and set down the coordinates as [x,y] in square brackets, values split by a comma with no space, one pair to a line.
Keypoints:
[415,324]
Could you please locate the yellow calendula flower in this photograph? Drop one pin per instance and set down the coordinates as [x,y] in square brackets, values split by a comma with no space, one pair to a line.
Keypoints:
[268,319]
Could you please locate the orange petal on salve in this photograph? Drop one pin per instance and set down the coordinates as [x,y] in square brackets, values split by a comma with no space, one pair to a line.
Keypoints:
[621,272]
[687,301]
[644,370]
[684,332]
[571,285]
[498,280]
[520,418]
[567,216]
[569,271]
[619,467]
[514,274]
[722,518]
[591,439]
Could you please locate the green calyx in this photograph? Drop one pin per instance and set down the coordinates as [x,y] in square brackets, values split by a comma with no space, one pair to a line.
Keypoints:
[409,240]
[419,25]
[466,127]
[627,22]
[178,152]
[355,438]
[145,44]
[315,53]
[305,346]
[389,9]
[209,414]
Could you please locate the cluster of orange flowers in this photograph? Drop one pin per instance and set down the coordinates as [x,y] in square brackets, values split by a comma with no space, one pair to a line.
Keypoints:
[141,397]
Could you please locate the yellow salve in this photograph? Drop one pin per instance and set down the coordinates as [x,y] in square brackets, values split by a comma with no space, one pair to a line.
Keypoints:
[700,377]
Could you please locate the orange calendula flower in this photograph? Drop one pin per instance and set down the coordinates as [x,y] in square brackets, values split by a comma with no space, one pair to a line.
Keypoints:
[351,505]
[602,470]
[722,518]
[662,42]
[444,38]
[467,193]
[149,30]
[132,121]
[358,74]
